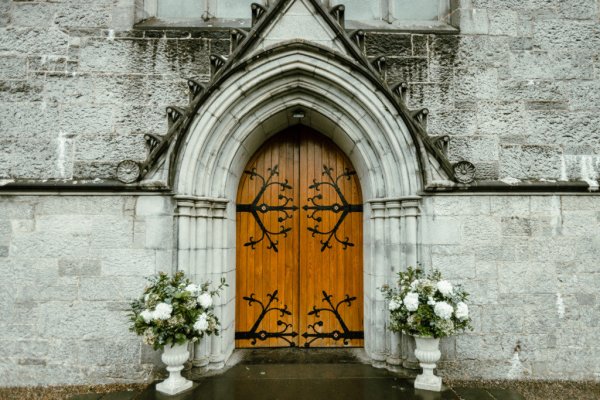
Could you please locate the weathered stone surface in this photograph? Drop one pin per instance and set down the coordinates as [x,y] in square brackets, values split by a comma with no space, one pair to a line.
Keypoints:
[516,226]
[474,21]
[452,122]
[20,91]
[409,69]
[504,22]
[45,159]
[13,67]
[78,267]
[478,148]
[550,65]
[517,89]
[522,162]
[34,41]
[122,147]
[569,36]
[94,170]
[40,15]
[28,118]
[74,14]
[389,43]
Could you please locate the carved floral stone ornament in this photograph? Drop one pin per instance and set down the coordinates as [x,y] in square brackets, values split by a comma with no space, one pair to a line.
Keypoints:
[128,171]
[464,172]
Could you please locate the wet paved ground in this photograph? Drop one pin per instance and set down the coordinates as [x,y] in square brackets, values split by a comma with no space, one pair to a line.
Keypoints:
[294,374]
[317,382]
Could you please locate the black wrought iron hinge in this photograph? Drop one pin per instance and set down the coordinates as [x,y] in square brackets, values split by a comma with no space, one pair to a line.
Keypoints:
[343,208]
[255,208]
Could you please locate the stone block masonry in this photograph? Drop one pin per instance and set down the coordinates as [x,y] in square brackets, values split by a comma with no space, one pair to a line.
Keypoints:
[70,267]
[516,90]
[78,93]
[530,266]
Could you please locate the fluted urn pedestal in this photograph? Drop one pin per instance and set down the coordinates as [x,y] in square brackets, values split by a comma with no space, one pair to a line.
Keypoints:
[174,357]
[428,354]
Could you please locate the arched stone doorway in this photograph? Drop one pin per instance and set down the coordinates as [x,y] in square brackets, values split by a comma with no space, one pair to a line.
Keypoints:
[299,247]
[278,76]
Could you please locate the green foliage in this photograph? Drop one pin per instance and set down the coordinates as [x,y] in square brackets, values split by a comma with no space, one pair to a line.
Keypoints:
[426,305]
[173,310]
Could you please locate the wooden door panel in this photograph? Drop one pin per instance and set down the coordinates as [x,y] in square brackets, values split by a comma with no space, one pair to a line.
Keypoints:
[267,267]
[299,237]
[330,255]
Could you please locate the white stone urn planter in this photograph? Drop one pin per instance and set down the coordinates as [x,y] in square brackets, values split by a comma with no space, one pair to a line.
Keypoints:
[175,356]
[428,353]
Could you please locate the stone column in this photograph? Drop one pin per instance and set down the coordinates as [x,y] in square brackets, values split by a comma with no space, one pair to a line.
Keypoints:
[202,228]
[393,246]
[200,254]
[410,214]
[217,268]
[184,215]
[379,267]
[395,260]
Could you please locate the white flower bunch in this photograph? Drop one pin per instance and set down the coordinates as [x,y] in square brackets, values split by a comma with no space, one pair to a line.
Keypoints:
[426,305]
[173,310]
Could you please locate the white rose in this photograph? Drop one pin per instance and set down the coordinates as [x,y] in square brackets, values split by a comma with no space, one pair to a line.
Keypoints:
[192,288]
[147,315]
[163,311]
[394,305]
[411,301]
[413,284]
[431,301]
[202,324]
[462,311]
[205,300]
[443,310]
[445,288]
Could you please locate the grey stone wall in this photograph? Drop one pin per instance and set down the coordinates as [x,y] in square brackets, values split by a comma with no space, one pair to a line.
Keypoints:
[530,264]
[78,93]
[70,266]
[517,90]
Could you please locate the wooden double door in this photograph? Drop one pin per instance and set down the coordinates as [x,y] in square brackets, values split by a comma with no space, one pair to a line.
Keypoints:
[299,245]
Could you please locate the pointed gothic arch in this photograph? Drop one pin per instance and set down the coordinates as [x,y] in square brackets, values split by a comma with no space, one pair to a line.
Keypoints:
[255,94]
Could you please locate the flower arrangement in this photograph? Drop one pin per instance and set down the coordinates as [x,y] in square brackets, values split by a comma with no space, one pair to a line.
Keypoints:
[426,305]
[174,310]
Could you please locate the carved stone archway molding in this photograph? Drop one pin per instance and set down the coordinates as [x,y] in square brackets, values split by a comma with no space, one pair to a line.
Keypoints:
[281,75]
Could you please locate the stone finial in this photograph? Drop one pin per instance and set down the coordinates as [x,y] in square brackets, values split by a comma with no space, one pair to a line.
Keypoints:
[358,37]
[173,114]
[153,140]
[380,64]
[258,10]
[237,37]
[441,142]
[339,13]
[216,63]
[195,88]
[400,90]
[420,116]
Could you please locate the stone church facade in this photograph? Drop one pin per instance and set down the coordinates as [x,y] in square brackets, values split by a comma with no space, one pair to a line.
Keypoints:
[475,139]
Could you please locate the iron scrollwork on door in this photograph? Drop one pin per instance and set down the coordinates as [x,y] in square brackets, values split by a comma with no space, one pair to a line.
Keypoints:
[345,334]
[254,334]
[285,210]
[344,208]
